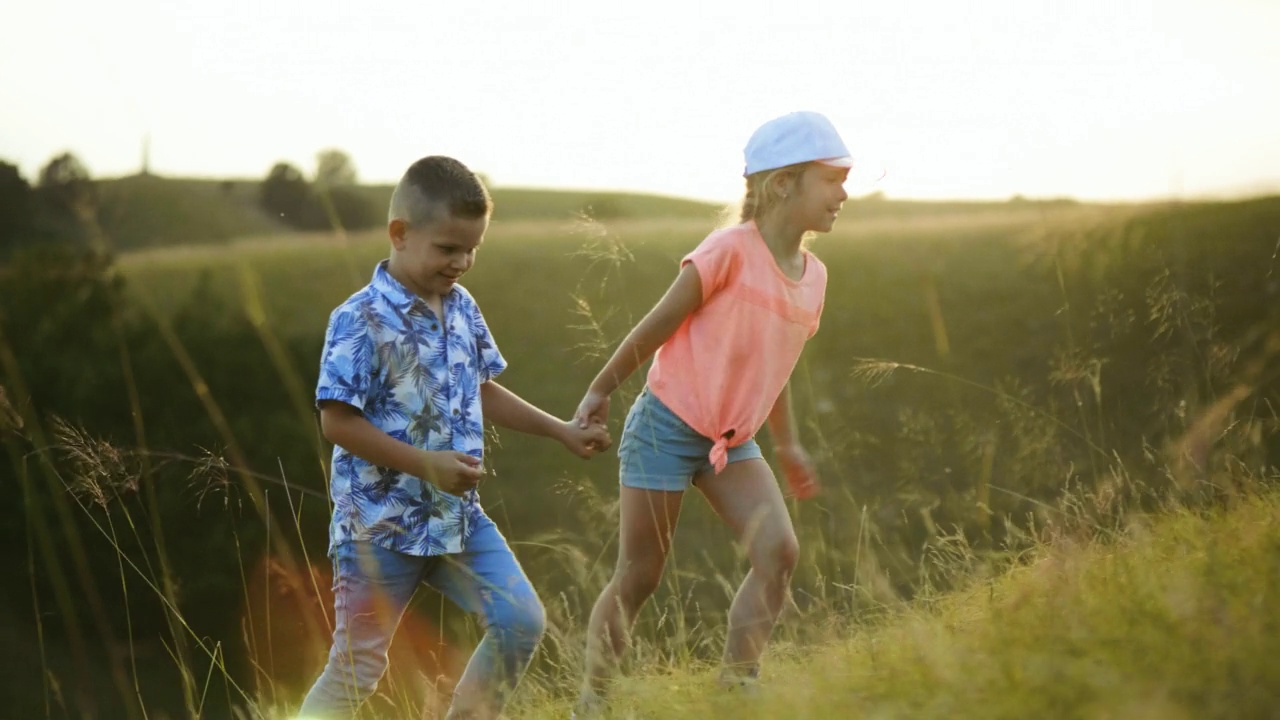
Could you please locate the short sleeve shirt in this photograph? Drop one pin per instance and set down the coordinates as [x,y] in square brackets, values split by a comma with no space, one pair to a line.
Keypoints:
[417,378]
[724,368]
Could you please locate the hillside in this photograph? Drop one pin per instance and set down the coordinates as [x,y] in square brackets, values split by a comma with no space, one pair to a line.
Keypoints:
[1169,617]
[985,377]
[149,211]
[146,211]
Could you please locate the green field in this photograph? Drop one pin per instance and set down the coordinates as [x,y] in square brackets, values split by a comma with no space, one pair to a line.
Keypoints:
[149,211]
[1003,295]
[1023,300]
[995,387]
[304,275]
[559,295]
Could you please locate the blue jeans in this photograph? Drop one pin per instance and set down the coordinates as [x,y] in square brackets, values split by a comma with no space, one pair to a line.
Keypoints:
[372,587]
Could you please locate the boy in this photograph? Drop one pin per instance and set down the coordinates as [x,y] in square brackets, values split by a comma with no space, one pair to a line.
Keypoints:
[408,364]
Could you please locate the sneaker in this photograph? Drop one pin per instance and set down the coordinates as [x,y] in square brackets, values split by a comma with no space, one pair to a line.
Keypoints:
[737,681]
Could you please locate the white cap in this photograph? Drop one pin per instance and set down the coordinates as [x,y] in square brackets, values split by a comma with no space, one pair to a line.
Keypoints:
[795,138]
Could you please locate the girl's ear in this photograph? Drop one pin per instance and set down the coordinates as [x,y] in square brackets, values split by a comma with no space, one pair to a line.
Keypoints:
[784,182]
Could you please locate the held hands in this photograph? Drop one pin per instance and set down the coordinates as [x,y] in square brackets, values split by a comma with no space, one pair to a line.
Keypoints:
[585,440]
[587,434]
[453,472]
[593,409]
[797,467]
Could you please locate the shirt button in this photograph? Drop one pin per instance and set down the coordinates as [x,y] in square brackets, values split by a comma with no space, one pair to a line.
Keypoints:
[434,327]
[455,411]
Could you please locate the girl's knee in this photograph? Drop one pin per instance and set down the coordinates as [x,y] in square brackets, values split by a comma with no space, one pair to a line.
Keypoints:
[789,553]
[780,556]
[638,581]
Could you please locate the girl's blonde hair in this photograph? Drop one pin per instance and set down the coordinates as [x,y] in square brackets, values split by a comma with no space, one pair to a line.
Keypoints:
[762,194]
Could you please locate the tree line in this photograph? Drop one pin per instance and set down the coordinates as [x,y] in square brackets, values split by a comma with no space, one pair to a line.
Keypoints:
[65,203]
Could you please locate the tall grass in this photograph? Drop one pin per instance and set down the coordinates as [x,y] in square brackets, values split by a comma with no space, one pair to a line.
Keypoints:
[1042,582]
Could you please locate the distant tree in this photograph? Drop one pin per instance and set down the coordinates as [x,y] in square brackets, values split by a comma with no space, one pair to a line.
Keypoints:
[286,194]
[64,202]
[332,200]
[352,208]
[17,206]
[63,170]
[334,169]
[341,202]
[65,182]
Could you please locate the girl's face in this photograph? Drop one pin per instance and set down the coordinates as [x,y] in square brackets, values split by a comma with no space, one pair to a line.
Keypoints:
[815,198]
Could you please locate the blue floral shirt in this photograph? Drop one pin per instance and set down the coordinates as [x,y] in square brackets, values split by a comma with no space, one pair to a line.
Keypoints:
[418,380]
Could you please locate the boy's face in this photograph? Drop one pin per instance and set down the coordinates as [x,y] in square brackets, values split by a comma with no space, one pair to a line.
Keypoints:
[432,256]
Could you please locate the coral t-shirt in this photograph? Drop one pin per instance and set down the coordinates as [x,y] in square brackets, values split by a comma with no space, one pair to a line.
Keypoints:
[724,368]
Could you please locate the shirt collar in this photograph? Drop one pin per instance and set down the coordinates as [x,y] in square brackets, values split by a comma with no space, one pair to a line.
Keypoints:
[399,295]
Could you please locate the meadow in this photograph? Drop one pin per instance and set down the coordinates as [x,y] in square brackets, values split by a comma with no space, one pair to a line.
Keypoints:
[1046,432]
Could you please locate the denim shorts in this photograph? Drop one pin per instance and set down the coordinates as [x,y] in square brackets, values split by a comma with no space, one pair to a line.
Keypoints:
[659,451]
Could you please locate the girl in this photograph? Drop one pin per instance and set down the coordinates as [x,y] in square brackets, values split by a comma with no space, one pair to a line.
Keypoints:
[727,335]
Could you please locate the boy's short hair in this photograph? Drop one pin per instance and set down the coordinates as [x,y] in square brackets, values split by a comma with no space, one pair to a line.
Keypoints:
[436,188]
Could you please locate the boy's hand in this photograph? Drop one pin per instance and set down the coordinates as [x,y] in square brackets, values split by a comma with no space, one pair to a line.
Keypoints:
[798,469]
[594,408]
[453,472]
[585,442]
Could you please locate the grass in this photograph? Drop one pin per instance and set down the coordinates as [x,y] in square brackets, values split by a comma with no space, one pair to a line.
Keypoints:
[1168,616]
[559,295]
[986,545]
[304,275]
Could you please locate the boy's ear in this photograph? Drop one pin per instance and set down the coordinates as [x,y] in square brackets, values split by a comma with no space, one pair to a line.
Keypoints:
[397,229]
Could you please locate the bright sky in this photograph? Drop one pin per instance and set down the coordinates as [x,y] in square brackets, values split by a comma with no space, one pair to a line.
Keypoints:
[1096,99]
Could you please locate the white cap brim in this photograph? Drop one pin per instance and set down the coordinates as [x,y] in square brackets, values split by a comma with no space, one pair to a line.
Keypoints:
[843,162]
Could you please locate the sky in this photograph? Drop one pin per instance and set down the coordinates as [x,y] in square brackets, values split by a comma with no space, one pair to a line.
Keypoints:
[1092,99]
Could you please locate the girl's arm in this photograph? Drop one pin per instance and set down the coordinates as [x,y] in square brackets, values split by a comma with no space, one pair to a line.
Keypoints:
[682,298]
[782,421]
[797,466]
